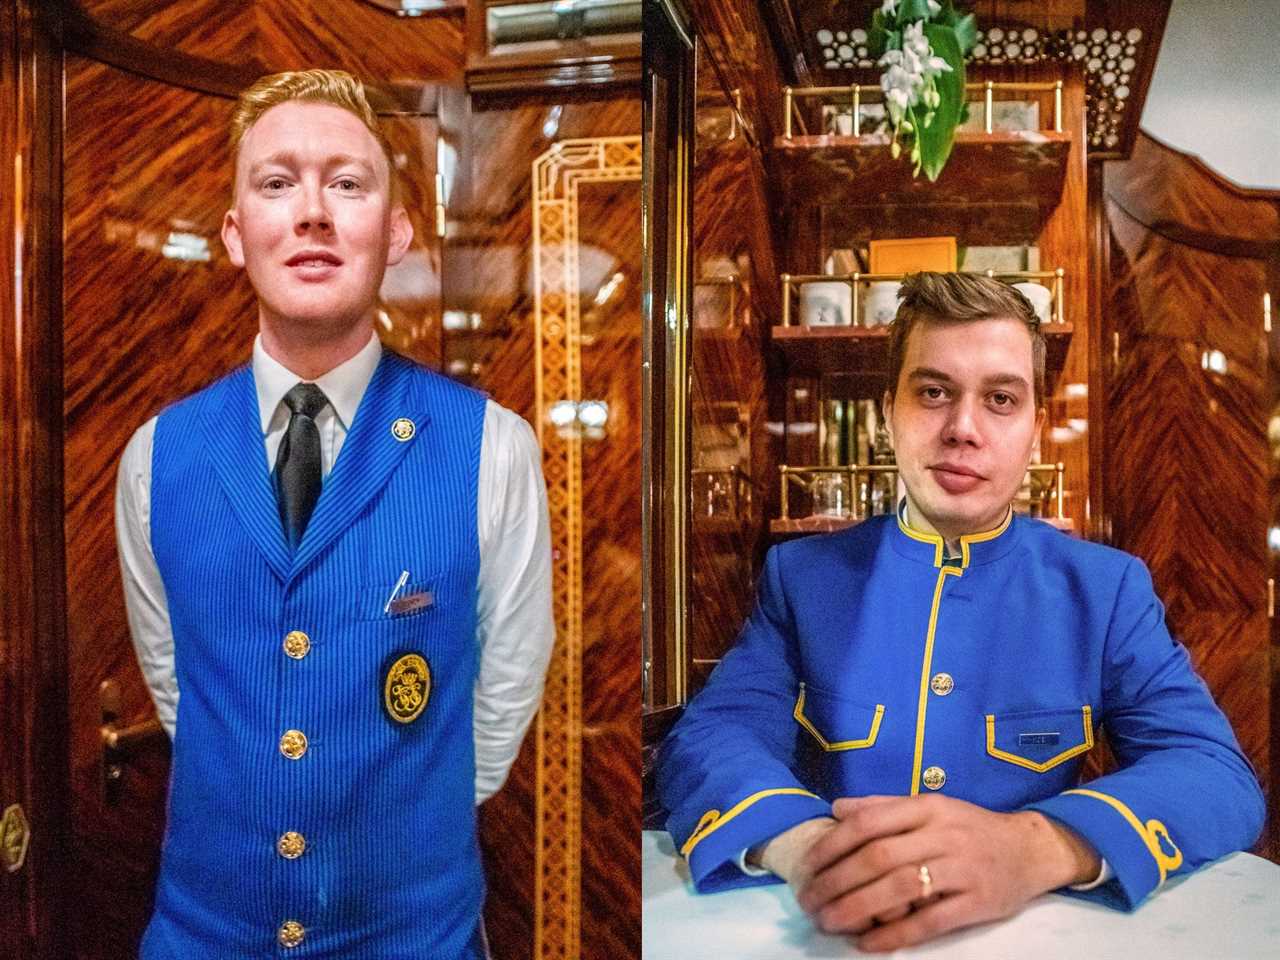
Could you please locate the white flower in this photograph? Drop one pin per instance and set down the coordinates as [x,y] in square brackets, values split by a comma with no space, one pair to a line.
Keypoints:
[914,40]
[934,8]
[890,8]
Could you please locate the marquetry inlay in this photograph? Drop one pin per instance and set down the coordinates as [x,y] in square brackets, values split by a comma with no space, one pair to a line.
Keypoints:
[557,175]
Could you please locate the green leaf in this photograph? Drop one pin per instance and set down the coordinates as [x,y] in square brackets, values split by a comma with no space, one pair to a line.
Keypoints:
[935,140]
[910,10]
[877,37]
[966,29]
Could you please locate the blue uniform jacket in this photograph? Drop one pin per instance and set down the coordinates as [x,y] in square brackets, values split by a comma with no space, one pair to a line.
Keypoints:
[871,666]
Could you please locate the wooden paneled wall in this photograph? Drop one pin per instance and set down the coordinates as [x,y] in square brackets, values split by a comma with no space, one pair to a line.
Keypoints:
[735,227]
[295,34]
[489,272]
[1192,385]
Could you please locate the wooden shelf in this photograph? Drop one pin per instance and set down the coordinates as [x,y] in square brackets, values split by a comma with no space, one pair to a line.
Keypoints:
[1004,167]
[862,353]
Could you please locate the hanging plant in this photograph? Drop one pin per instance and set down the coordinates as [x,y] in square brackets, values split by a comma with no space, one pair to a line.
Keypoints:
[921,44]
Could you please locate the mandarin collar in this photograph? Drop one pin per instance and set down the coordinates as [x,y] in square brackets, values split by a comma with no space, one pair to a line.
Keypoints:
[975,548]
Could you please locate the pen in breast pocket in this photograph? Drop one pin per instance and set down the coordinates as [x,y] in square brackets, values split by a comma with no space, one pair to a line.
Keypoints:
[404,577]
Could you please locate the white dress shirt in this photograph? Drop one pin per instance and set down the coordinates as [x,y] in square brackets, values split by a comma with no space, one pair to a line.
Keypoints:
[515,629]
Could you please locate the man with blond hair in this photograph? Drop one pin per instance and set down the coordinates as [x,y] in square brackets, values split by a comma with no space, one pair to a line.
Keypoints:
[900,729]
[337,574]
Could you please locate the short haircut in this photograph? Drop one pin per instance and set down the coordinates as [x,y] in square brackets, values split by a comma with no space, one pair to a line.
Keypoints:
[961,298]
[334,87]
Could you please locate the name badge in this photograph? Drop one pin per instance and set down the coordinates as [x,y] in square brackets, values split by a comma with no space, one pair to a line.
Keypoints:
[1033,739]
[415,601]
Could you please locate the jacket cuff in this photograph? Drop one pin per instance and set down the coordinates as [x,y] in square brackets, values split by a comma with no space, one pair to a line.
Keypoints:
[712,849]
[1140,855]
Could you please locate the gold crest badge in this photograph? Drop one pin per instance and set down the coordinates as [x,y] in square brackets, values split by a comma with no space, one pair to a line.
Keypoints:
[407,688]
[403,429]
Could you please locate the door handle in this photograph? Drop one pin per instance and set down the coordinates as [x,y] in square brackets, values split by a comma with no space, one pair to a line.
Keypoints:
[119,744]
[15,837]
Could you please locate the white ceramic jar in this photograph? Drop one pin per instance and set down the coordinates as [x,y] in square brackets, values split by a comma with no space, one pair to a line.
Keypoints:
[881,304]
[826,303]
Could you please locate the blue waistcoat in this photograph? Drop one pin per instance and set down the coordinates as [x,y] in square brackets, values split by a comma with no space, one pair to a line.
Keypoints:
[390,867]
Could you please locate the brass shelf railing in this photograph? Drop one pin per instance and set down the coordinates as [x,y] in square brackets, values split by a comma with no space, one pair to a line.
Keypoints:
[861,503]
[791,283]
[856,92]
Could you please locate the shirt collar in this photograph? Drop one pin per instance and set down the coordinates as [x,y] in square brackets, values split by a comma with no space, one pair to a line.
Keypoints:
[344,385]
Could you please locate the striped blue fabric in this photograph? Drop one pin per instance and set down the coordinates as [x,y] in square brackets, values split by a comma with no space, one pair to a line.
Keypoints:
[391,866]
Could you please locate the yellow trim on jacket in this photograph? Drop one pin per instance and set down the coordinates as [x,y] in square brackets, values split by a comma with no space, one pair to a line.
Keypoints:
[1086,721]
[939,544]
[1150,832]
[926,667]
[712,820]
[867,741]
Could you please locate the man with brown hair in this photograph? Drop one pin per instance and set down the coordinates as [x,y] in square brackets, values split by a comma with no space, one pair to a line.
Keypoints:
[899,730]
[337,573]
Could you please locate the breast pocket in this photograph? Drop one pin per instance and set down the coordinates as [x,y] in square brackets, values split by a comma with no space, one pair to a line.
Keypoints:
[835,723]
[1040,740]
[416,598]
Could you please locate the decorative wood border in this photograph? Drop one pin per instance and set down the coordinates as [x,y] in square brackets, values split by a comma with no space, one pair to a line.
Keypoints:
[557,175]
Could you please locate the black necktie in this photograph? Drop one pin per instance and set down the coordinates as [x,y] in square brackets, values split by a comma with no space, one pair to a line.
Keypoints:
[297,473]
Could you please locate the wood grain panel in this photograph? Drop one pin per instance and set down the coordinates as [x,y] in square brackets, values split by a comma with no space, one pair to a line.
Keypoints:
[727,409]
[488,273]
[1064,243]
[33,656]
[1188,466]
[141,331]
[296,34]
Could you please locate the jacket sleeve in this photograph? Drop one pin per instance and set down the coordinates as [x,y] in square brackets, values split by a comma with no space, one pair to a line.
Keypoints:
[724,771]
[1184,793]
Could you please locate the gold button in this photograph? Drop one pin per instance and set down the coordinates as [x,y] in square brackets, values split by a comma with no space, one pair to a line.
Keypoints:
[942,684]
[291,933]
[291,845]
[293,744]
[934,778]
[297,644]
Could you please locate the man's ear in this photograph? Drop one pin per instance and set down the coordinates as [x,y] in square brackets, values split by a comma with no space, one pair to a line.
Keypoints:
[231,238]
[886,412]
[1041,415]
[401,235]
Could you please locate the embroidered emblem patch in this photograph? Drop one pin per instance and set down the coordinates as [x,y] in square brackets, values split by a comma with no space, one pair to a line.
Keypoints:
[407,688]
[403,429]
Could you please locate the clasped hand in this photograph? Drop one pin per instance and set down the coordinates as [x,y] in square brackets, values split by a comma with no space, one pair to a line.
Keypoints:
[860,873]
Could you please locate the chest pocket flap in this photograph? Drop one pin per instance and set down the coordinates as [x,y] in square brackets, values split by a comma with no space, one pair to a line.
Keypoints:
[836,723]
[1039,740]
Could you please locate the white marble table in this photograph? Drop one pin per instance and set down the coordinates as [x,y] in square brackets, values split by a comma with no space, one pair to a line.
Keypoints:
[1229,910]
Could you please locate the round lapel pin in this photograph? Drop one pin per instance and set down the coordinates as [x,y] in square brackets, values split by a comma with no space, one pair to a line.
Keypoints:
[407,688]
[403,429]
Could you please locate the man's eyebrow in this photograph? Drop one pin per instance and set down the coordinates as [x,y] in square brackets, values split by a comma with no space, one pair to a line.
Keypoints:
[995,380]
[930,373]
[287,158]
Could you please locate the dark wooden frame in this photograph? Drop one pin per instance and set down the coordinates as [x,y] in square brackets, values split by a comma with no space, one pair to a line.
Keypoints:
[667,216]
[34,761]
